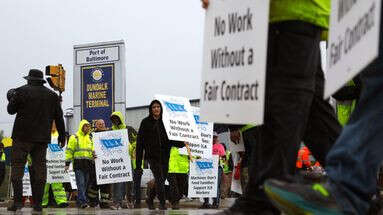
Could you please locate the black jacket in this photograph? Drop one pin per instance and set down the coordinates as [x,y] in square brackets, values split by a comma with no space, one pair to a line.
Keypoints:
[36,107]
[152,138]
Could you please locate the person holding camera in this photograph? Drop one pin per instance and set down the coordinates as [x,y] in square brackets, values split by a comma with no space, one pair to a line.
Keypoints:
[36,107]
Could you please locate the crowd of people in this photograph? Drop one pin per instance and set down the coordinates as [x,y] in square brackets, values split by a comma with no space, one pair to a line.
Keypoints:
[345,140]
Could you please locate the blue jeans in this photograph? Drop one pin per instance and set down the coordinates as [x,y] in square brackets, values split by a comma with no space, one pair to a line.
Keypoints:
[119,191]
[82,179]
[353,162]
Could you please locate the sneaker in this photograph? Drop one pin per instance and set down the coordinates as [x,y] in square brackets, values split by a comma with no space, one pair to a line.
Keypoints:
[115,207]
[150,204]
[62,205]
[205,206]
[214,206]
[84,206]
[37,208]
[14,207]
[175,206]
[137,205]
[297,198]
[163,207]
[104,205]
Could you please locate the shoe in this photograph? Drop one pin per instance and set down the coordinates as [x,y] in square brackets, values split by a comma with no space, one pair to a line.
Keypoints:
[297,198]
[84,206]
[14,207]
[37,208]
[205,206]
[214,206]
[44,206]
[93,204]
[62,205]
[137,205]
[175,205]
[150,204]
[163,207]
[104,205]
[115,207]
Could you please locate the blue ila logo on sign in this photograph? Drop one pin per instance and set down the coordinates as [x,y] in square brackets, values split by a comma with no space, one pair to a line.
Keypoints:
[55,148]
[111,143]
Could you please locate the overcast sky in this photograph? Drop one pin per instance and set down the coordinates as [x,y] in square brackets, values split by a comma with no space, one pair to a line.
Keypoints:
[163,40]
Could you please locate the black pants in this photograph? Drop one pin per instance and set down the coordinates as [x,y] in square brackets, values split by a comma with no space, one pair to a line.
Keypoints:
[160,171]
[294,109]
[93,189]
[38,171]
[137,187]
[178,183]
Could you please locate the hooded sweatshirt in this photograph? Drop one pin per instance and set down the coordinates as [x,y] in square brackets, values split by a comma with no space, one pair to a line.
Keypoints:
[152,138]
[80,149]
[122,125]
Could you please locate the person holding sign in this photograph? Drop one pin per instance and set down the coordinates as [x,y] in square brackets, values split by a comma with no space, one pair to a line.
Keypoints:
[80,151]
[152,138]
[58,190]
[93,188]
[219,150]
[295,110]
[352,163]
[120,189]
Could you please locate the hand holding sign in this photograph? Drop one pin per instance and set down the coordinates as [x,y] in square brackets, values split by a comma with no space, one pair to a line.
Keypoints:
[205,3]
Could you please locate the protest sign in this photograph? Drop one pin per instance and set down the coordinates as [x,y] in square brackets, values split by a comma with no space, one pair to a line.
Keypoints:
[147,175]
[203,178]
[178,119]
[353,40]
[72,177]
[27,188]
[113,161]
[56,163]
[234,61]
[204,148]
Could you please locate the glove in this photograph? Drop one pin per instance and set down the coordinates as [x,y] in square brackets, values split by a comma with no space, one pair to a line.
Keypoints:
[11,93]
[138,171]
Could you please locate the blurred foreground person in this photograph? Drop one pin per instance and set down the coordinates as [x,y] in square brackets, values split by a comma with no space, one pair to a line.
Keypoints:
[35,107]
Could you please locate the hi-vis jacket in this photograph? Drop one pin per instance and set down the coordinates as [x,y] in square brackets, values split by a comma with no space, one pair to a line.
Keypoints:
[80,147]
[316,12]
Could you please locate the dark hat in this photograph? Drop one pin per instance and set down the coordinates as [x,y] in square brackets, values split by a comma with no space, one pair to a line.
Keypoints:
[35,75]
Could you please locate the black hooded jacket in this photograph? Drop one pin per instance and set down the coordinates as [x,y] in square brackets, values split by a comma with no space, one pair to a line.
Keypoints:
[36,107]
[152,138]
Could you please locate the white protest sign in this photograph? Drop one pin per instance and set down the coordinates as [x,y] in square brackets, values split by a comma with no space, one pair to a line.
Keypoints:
[147,176]
[353,40]
[234,61]
[26,182]
[235,184]
[56,163]
[27,188]
[203,178]
[205,147]
[72,177]
[113,161]
[178,119]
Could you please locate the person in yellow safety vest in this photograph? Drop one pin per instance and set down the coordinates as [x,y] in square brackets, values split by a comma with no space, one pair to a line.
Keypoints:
[80,151]
[2,163]
[123,188]
[178,175]
[136,177]
[4,187]
[346,99]
[227,167]
[57,189]
[93,188]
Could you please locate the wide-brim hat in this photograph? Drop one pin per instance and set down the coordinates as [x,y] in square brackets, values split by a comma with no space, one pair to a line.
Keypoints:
[35,75]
